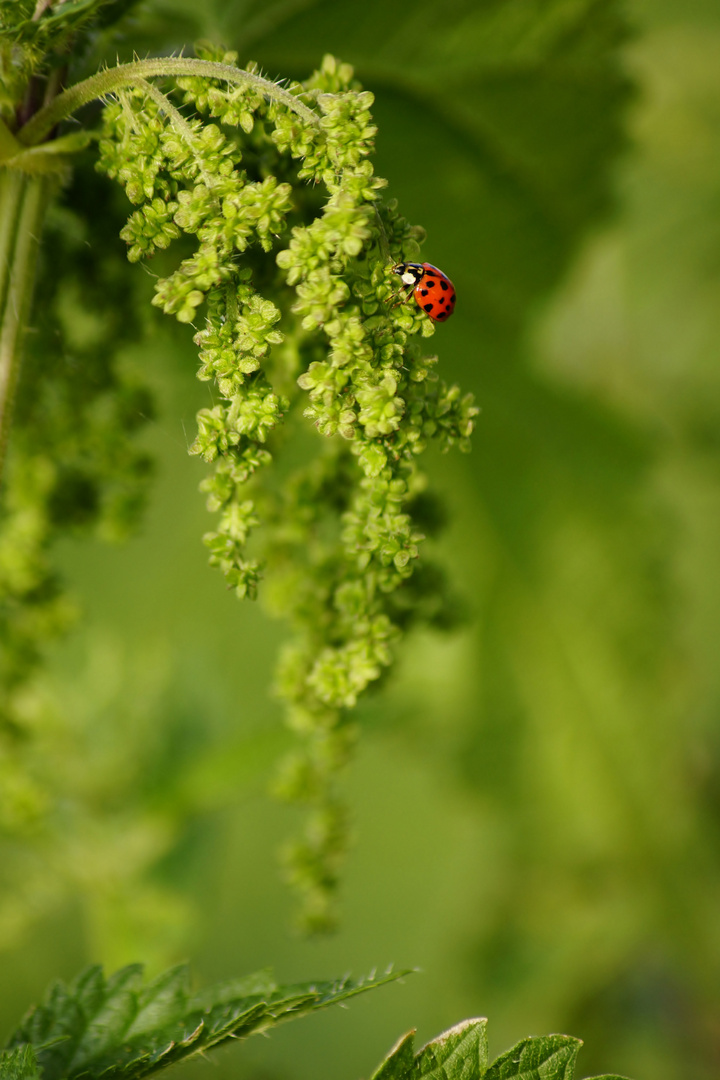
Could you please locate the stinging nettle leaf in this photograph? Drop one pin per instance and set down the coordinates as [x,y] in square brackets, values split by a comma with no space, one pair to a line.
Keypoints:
[461,1053]
[121,1027]
[161,1001]
[547,1057]
[400,1061]
[112,1016]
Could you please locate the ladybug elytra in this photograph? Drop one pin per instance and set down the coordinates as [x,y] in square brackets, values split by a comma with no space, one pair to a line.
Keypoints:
[433,291]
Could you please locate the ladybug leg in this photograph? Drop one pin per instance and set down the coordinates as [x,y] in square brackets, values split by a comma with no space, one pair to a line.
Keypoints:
[401,297]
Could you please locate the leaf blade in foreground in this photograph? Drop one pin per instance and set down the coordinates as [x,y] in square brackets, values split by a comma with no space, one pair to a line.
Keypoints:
[122,1027]
[461,1053]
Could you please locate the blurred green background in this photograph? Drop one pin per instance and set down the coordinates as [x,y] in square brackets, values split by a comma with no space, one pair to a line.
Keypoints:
[536,799]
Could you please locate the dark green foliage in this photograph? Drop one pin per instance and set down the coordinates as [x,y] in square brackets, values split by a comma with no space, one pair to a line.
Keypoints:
[124,1027]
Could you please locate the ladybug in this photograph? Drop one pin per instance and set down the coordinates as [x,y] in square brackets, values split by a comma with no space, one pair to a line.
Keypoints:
[434,292]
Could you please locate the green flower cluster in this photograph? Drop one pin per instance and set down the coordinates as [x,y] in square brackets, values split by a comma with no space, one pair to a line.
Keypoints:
[325,338]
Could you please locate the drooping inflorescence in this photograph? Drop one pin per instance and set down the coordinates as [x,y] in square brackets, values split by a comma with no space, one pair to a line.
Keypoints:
[289,288]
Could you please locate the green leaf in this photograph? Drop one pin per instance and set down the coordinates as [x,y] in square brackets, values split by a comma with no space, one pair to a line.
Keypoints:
[9,146]
[47,157]
[460,1053]
[399,1062]
[548,1057]
[123,1027]
[20,1064]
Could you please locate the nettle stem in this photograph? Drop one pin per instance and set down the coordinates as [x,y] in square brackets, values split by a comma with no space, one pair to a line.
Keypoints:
[11,189]
[23,200]
[105,82]
[178,122]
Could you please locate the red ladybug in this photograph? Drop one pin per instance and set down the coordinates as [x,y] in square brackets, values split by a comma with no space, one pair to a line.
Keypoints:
[434,292]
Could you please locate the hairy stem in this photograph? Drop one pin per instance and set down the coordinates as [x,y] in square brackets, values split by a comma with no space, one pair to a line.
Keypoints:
[22,208]
[105,82]
[178,122]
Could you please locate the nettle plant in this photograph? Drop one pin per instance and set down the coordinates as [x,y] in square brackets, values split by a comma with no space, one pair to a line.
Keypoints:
[284,271]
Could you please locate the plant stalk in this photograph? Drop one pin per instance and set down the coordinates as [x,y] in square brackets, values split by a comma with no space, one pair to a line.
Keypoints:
[23,200]
[106,82]
[11,191]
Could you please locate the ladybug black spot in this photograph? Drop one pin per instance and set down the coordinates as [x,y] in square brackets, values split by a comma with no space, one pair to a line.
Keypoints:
[423,292]
[428,307]
[452,298]
[430,282]
[444,285]
[442,315]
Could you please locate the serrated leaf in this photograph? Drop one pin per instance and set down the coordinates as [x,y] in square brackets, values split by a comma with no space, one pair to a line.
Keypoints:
[460,1053]
[160,1002]
[260,983]
[112,1016]
[546,1057]
[400,1061]
[121,1027]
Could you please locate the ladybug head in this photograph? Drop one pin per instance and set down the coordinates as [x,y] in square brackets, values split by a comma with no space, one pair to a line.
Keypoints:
[409,273]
